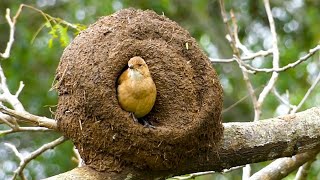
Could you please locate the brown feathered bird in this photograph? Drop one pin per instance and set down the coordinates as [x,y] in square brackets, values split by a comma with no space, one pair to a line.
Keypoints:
[136,90]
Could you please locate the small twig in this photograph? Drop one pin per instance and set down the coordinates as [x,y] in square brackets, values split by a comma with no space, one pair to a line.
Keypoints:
[254,70]
[248,57]
[11,23]
[280,168]
[25,160]
[21,86]
[235,50]
[294,110]
[194,175]
[281,99]
[284,68]
[14,149]
[238,102]
[213,60]
[21,158]
[275,52]
[242,66]
[30,118]
[7,120]
[47,17]
[24,129]
[8,97]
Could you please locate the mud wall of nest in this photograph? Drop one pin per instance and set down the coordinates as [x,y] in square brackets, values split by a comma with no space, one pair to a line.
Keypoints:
[189,96]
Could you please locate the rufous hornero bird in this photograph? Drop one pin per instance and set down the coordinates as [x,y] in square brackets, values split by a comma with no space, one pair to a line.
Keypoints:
[136,90]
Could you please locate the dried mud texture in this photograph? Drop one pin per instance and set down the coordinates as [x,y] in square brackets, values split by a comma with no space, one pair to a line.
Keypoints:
[189,96]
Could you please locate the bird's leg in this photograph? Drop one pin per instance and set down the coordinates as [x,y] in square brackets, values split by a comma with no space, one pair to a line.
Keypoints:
[147,124]
[142,121]
[134,117]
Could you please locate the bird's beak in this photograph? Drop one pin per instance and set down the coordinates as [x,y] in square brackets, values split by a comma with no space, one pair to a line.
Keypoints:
[130,66]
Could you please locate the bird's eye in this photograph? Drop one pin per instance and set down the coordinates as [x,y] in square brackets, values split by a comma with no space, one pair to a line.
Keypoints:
[139,65]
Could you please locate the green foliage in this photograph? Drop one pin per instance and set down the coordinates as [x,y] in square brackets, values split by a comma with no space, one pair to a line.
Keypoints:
[58,31]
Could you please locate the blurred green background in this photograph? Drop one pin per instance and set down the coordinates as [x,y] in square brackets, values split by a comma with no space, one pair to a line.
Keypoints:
[34,63]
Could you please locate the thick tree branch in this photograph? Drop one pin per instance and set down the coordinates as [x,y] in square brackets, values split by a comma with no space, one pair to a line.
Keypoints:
[242,143]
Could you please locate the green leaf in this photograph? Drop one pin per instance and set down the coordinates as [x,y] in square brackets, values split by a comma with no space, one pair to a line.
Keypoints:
[48,24]
[50,43]
[53,31]
[63,32]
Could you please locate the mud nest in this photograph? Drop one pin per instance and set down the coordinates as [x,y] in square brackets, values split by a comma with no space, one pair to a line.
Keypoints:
[189,96]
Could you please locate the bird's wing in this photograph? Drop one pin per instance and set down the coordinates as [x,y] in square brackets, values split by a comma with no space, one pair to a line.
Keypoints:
[123,77]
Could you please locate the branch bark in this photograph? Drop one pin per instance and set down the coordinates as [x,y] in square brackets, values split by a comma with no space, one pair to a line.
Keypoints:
[281,168]
[242,143]
[24,116]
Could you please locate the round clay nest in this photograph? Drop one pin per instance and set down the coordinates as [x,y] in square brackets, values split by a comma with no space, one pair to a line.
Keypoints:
[187,112]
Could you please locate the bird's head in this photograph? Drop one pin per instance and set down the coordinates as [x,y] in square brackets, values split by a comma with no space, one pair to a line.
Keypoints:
[138,65]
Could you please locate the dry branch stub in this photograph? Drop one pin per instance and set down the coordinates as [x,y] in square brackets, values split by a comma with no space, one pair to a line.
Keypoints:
[187,112]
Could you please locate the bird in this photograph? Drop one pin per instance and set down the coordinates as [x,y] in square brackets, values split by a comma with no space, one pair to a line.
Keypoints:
[136,90]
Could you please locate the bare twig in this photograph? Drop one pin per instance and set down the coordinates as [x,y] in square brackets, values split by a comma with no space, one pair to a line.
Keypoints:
[6,95]
[282,100]
[193,175]
[244,58]
[291,65]
[30,118]
[21,158]
[25,160]
[24,129]
[279,69]
[21,86]
[235,50]
[7,120]
[213,60]
[275,52]
[11,23]
[280,168]
[50,18]
[294,110]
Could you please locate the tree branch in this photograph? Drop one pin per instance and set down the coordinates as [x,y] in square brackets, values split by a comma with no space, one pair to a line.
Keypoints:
[302,173]
[11,22]
[30,118]
[275,61]
[25,160]
[250,56]
[281,168]
[295,109]
[24,129]
[242,143]
[253,70]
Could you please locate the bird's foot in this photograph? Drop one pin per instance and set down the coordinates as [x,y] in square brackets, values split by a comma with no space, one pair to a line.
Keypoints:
[142,121]
[147,124]
[134,117]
